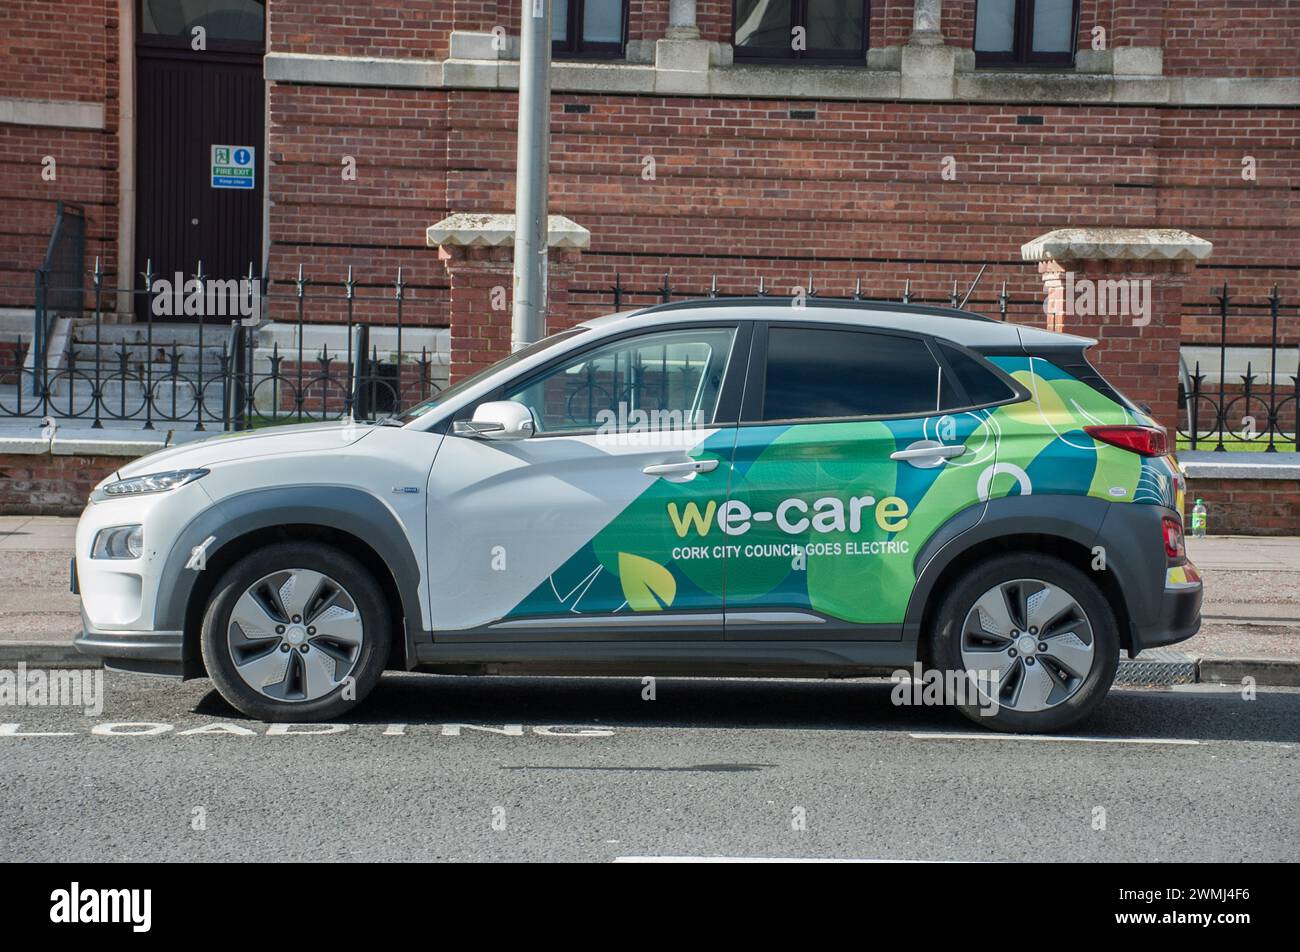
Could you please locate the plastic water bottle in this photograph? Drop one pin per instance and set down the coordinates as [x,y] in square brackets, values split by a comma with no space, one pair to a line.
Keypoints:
[1198,519]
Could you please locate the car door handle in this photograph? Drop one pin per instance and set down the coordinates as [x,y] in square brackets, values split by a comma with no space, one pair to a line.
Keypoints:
[928,452]
[682,468]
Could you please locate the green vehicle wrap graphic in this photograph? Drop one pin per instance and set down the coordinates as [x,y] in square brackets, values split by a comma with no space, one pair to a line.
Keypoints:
[817,517]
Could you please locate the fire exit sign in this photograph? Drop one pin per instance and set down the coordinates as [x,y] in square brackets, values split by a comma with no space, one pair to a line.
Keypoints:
[233,166]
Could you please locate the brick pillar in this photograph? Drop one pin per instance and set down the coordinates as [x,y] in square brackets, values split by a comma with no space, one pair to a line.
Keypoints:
[478,253]
[479,307]
[1123,287]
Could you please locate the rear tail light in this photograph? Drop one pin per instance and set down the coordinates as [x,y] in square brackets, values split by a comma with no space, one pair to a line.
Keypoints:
[1175,551]
[1143,440]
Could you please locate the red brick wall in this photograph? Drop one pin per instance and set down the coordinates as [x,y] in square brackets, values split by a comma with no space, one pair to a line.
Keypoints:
[419,29]
[1246,506]
[375,222]
[854,193]
[713,17]
[647,19]
[47,485]
[65,52]
[1232,37]
[741,190]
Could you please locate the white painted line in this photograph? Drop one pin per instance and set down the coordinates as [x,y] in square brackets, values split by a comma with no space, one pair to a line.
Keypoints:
[752,859]
[1059,739]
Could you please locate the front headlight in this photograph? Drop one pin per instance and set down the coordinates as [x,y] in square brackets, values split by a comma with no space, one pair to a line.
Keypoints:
[142,485]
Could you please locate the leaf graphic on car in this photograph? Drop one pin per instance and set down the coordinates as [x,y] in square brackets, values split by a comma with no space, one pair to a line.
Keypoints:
[648,586]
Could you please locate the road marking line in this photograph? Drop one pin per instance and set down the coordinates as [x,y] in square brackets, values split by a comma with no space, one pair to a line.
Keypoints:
[753,859]
[1060,739]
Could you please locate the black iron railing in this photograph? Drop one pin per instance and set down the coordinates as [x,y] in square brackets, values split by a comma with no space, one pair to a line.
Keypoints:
[627,297]
[1250,408]
[241,385]
[221,378]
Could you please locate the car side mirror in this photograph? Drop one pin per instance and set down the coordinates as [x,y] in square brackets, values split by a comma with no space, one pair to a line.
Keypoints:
[497,420]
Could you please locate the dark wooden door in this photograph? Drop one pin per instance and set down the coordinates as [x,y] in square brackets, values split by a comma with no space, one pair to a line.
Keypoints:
[186,103]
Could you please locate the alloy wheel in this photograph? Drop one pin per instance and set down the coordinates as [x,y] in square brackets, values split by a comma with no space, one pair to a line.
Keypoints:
[295,635]
[1028,645]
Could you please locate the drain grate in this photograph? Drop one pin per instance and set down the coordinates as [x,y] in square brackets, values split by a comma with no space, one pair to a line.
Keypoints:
[1157,666]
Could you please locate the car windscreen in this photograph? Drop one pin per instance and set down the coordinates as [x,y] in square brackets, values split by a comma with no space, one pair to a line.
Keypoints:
[461,386]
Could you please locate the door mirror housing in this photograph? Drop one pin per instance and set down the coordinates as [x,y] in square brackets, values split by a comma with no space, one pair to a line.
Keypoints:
[497,420]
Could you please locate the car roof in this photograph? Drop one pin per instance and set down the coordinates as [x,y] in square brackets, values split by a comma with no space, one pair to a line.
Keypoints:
[947,323]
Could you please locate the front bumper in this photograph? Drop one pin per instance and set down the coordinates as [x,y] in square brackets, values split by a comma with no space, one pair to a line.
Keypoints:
[141,652]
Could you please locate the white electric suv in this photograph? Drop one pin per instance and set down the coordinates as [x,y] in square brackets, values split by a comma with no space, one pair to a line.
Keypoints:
[711,487]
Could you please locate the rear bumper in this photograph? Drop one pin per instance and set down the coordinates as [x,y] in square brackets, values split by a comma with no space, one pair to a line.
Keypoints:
[1179,616]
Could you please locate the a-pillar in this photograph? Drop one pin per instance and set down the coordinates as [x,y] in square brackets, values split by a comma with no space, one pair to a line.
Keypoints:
[1123,287]
[478,254]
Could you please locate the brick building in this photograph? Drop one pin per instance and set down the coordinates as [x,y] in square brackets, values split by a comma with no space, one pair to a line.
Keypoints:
[782,140]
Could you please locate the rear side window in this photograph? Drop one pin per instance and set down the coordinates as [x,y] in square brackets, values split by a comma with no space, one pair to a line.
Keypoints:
[981,384]
[814,373]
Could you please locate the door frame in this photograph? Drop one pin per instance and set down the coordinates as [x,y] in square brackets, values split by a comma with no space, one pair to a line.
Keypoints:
[784,624]
[672,626]
[133,44]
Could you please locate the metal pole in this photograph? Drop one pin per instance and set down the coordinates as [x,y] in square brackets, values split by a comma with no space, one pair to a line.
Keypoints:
[528,321]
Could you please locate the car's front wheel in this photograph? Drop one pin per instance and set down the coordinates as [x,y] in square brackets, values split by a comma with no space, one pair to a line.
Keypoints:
[1033,641]
[296,632]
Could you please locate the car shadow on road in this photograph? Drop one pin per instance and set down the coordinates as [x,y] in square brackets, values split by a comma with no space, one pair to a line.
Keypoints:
[701,703]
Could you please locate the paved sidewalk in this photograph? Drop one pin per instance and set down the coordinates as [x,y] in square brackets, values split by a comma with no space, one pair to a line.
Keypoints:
[1252,584]
[35,604]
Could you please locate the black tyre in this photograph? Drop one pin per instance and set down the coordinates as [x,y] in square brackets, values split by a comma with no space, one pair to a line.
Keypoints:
[1034,638]
[296,632]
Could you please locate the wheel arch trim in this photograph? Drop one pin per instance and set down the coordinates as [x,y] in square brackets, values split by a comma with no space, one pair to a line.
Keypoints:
[345,509]
[1074,519]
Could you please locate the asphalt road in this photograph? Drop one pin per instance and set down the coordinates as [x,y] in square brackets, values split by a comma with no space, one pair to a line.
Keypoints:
[584,769]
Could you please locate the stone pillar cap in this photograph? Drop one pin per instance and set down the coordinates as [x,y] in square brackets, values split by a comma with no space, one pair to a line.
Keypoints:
[1116,244]
[470,229]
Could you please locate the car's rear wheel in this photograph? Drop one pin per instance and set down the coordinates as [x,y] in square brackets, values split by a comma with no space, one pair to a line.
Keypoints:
[296,632]
[1034,640]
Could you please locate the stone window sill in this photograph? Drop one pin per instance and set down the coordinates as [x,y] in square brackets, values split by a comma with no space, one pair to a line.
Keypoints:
[928,78]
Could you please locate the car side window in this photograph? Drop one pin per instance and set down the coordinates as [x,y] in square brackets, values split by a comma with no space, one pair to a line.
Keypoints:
[818,373]
[665,380]
[981,384]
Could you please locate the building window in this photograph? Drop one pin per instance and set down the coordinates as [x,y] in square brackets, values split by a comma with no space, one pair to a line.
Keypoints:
[1026,32]
[588,27]
[222,21]
[826,31]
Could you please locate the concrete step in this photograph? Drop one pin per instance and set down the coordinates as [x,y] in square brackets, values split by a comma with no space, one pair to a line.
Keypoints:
[161,357]
[166,341]
[184,334]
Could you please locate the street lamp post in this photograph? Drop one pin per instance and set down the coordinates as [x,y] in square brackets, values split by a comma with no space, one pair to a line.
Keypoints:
[528,314]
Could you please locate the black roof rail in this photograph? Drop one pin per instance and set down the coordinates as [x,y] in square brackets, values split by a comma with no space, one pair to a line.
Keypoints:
[773,300]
